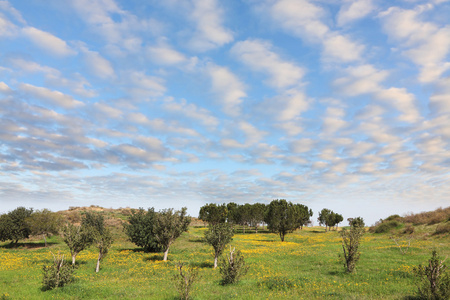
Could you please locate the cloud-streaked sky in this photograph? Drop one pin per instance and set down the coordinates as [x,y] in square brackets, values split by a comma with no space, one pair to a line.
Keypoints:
[337,104]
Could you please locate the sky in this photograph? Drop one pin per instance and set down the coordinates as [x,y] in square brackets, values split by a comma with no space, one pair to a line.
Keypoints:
[333,104]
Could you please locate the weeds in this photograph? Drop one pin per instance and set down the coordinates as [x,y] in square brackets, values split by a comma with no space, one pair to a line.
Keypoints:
[350,245]
[184,281]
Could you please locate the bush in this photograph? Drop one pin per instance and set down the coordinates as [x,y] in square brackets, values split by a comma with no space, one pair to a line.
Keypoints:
[441,229]
[386,226]
[350,245]
[184,281]
[232,267]
[58,274]
[434,280]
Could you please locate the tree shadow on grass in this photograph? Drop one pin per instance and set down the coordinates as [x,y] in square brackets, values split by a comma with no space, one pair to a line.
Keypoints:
[27,245]
[197,240]
[155,257]
[202,264]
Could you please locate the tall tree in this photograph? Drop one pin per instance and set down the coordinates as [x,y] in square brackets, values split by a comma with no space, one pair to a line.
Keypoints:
[140,229]
[329,218]
[213,213]
[44,222]
[257,215]
[14,225]
[282,217]
[218,236]
[168,226]
[305,214]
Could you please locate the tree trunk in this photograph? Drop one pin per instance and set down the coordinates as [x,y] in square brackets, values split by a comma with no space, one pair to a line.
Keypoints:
[97,268]
[282,237]
[215,261]
[45,241]
[165,254]
[74,255]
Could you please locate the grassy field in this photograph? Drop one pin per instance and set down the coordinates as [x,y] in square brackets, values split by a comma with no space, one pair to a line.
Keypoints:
[305,266]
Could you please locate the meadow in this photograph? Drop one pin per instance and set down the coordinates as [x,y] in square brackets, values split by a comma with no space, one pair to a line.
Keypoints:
[306,266]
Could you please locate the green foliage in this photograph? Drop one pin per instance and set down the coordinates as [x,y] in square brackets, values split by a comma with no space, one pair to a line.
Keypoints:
[304,214]
[168,226]
[386,226]
[44,222]
[14,226]
[103,242]
[213,213]
[329,218]
[282,217]
[77,238]
[442,228]
[356,222]
[184,281]
[232,267]
[140,229]
[350,244]
[57,274]
[218,236]
[433,279]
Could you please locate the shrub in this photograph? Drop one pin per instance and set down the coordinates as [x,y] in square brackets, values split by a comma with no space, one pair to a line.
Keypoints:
[232,267]
[441,229]
[350,245]
[184,281]
[434,280]
[386,226]
[58,274]
[408,230]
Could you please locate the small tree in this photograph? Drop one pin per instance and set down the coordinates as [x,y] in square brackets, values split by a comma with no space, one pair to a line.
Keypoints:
[304,214]
[329,218]
[282,217]
[232,267]
[58,274]
[140,229]
[77,239]
[13,225]
[169,225]
[434,280]
[350,244]
[103,242]
[44,222]
[218,236]
[184,281]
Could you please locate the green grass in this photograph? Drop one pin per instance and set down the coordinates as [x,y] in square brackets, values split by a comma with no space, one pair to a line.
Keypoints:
[305,266]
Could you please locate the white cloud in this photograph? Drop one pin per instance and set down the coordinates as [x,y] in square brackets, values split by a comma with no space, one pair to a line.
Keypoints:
[210,32]
[259,56]
[48,42]
[302,145]
[7,29]
[191,111]
[362,79]
[108,111]
[401,100]
[228,89]
[54,97]
[164,55]
[4,88]
[340,48]
[286,106]
[300,17]
[353,10]
[98,65]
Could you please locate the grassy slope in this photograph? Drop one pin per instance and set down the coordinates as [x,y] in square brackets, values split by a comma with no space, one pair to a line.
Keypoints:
[306,266]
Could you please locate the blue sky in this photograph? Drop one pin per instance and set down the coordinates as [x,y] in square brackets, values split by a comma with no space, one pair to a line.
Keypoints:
[333,104]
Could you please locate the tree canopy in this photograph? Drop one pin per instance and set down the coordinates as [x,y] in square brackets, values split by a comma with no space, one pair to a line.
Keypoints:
[213,213]
[14,225]
[282,217]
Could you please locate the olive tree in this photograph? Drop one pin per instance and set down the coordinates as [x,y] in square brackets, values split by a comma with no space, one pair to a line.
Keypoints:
[140,229]
[77,238]
[101,235]
[14,225]
[282,217]
[44,222]
[168,226]
[218,236]
[213,213]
